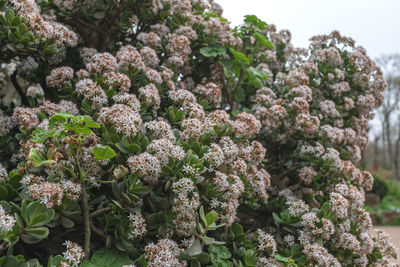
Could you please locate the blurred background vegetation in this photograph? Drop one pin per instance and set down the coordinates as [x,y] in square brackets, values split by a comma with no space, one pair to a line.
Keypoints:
[382,157]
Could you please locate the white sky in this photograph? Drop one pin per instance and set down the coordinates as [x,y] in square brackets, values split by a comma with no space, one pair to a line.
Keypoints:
[374,24]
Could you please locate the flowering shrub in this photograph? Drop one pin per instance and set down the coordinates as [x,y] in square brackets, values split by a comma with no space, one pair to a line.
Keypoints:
[150,133]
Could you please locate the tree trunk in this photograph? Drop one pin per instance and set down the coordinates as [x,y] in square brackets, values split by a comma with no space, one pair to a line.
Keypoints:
[390,145]
[396,155]
[375,163]
[384,150]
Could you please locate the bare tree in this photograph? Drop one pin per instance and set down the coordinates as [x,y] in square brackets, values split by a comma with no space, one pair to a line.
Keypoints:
[376,155]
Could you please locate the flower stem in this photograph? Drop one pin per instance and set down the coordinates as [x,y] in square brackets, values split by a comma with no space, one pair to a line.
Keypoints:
[85,208]
[100,211]
[86,222]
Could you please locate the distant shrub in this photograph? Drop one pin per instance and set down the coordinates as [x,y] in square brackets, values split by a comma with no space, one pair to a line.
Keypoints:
[380,187]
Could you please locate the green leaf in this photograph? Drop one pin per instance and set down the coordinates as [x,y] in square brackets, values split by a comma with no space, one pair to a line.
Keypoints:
[34,235]
[3,19]
[211,217]
[100,15]
[34,209]
[193,229]
[240,94]
[236,229]
[9,16]
[257,73]
[37,158]
[12,47]
[79,129]
[256,76]
[201,229]
[263,41]
[21,28]
[167,169]
[3,193]
[239,56]
[277,218]
[202,216]
[203,258]
[54,261]
[208,240]
[218,252]
[195,263]
[184,256]
[162,204]
[40,135]
[28,36]
[89,121]
[50,50]
[11,36]
[212,51]
[15,21]
[106,258]
[9,261]
[141,189]
[60,117]
[103,152]
[195,248]
[30,263]
[134,148]
[254,20]
[211,240]
[67,223]
[124,148]
[144,142]
[42,218]
[24,212]
[229,67]
[281,258]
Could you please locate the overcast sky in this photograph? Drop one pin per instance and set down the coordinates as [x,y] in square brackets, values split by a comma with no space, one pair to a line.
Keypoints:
[374,24]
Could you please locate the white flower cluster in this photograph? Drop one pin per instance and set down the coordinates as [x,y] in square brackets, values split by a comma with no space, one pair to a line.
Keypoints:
[163,150]
[47,29]
[91,91]
[147,166]
[6,123]
[118,80]
[52,194]
[124,120]
[59,77]
[3,173]
[138,226]
[164,253]
[7,222]
[266,242]
[231,187]
[74,253]
[186,204]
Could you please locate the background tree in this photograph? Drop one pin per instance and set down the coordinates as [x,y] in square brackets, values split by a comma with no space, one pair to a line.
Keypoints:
[388,116]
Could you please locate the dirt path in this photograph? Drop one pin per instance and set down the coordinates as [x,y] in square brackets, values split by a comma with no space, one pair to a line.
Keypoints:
[394,233]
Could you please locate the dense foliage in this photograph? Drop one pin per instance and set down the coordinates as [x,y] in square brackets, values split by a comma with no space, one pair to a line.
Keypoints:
[150,133]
